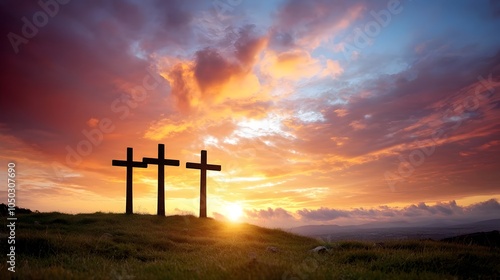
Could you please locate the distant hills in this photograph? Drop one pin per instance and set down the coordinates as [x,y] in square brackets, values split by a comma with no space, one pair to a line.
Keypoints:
[489,239]
[397,230]
[4,210]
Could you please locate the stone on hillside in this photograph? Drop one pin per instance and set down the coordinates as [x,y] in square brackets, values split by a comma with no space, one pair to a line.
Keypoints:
[272,249]
[319,250]
[106,236]
[253,256]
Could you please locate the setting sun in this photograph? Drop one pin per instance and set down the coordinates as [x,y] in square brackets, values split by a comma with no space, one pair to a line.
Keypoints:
[234,212]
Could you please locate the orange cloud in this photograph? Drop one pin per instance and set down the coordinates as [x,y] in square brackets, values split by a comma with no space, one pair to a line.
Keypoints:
[357,125]
[209,80]
[489,145]
[92,122]
[294,64]
[184,88]
[248,46]
[211,71]
[167,128]
[333,69]
[341,112]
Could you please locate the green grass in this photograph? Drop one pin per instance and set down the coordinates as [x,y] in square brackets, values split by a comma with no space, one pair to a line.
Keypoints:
[116,246]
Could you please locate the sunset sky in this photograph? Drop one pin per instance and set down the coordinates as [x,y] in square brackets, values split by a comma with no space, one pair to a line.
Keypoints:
[320,112]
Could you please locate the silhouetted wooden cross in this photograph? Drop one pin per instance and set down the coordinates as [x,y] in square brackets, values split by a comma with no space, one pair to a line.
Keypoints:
[129,163]
[161,162]
[203,167]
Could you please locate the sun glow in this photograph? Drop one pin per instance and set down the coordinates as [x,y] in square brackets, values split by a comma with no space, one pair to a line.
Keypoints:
[234,212]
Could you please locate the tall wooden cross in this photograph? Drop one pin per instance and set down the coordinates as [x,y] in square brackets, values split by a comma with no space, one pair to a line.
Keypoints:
[161,162]
[203,167]
[129,163]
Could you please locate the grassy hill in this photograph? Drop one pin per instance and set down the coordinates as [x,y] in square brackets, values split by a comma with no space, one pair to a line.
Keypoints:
[117,246]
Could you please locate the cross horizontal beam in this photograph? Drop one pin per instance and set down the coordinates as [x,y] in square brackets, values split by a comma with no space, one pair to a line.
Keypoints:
[212,167]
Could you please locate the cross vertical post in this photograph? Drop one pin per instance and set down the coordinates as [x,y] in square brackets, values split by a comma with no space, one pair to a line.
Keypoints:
[161,162]
[203,167]
[129,163]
